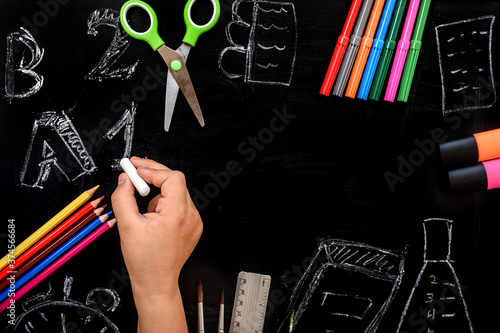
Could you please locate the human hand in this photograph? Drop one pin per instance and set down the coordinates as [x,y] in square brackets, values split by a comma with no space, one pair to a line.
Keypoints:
[155,245]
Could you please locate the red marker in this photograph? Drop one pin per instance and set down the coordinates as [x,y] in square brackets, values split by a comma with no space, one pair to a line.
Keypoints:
[340,47]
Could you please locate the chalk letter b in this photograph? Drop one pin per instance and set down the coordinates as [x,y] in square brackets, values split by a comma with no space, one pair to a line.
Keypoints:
[11,69]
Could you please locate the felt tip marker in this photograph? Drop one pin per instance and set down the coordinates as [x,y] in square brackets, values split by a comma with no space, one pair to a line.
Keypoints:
[478,147]
[376,50]
[364,49]
[413,53]
[340,47]
[139,183]
[352,49]
[386,56]
[401,52]
[482,176]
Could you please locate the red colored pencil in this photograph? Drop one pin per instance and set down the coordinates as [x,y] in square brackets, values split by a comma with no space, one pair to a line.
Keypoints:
[56,265]
[340,47]
[59,235]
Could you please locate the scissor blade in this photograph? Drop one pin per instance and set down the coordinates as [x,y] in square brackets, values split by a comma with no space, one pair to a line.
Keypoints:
[171,92]
[183,80]
[172,88]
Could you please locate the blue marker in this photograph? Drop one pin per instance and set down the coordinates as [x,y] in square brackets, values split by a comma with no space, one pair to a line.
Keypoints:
[57,253]
[378,44]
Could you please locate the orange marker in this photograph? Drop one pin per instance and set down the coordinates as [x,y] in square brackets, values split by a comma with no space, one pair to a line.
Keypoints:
[478,147]
[364,49]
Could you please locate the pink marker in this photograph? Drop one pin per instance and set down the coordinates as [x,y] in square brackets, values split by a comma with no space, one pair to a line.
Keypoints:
[478,177]
[401,52]
[9,302]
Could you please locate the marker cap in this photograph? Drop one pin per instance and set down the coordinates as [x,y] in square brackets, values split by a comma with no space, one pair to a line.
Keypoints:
[468,179]
[488,144]
[459,151]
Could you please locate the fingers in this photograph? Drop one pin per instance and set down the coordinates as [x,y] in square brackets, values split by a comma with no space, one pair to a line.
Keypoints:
[172,183]
[123,201]
[146,163]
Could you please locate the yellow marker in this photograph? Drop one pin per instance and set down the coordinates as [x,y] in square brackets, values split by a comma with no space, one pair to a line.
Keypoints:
[291,321]
[43,230]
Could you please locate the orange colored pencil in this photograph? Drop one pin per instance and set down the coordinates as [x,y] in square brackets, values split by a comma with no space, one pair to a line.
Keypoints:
[51,237]
[47,227]
[61,240]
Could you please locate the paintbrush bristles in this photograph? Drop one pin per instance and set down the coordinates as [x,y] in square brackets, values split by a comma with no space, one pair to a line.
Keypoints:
[222,297]
[200,291]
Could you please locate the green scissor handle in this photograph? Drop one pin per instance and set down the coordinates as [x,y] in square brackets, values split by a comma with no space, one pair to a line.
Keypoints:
[193,30]
[151,35]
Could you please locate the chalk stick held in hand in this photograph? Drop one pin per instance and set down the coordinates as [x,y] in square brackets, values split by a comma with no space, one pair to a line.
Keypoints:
[139,183]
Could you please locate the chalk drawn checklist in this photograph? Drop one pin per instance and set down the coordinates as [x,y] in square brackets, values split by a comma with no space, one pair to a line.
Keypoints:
[263,36]
[466,84]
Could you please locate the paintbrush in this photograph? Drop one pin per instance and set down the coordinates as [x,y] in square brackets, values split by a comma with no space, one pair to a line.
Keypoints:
[221,313]
[201,324]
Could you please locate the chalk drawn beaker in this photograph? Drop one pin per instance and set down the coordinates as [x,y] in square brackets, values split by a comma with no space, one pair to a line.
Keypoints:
[347,288]
[263,42]
[436,303]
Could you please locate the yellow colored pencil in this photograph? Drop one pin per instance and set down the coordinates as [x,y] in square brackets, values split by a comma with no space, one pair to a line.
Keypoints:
[49,225]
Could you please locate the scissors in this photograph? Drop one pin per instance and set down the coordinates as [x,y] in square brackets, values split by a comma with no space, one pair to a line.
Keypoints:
[178,76]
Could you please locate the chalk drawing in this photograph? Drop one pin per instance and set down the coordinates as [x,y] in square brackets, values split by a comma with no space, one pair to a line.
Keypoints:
[347,287]
[436,303]
[47,315]
[270,37]
[126,123]
[119,44]
[465,63]
[23,68]
[49,130]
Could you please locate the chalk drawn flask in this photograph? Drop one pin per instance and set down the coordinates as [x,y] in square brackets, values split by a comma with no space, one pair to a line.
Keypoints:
[436,303]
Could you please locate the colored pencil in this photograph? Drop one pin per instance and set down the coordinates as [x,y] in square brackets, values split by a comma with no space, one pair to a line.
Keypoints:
[56,254]
[376,50]
[340,47]
[21,269]
[364,49]
[352,49]
[56,265]
[387,53]
[415,46]
[401,52]
[49,225]
[45,241]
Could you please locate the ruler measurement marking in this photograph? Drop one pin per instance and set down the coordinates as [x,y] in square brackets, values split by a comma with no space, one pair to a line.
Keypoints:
[249,309]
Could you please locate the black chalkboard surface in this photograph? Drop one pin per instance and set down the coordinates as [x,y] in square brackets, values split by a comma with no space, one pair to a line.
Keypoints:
[343,202]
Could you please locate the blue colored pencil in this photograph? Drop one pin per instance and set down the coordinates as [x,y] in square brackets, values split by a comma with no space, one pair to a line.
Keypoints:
[54,255]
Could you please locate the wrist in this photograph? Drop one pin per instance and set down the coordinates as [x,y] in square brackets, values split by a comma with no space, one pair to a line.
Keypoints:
[153,284]
[157,311]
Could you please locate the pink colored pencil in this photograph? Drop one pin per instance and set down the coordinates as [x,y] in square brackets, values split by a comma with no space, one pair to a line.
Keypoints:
[401,52]
[56,265]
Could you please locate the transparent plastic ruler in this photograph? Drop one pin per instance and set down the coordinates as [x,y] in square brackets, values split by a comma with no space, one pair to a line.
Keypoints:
[250,303]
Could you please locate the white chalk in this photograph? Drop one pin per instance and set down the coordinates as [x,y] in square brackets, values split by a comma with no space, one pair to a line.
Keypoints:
[139,183]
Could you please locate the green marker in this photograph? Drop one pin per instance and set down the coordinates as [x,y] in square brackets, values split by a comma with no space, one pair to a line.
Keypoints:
[413,52]
[388,51]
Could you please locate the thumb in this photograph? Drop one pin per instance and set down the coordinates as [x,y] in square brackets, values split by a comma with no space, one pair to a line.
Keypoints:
[124,203]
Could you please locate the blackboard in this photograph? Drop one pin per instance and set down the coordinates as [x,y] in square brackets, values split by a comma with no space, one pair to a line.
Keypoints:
[279,173]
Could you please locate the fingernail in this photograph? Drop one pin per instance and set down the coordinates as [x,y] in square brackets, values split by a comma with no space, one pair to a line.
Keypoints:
[122,178]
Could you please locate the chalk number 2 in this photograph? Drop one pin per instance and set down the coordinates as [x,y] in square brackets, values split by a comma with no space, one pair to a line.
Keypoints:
[120,43]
